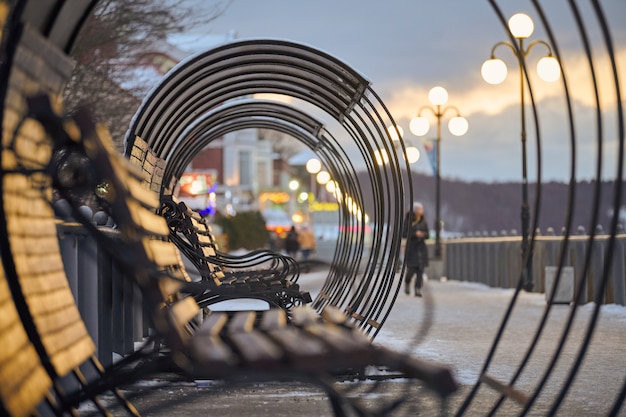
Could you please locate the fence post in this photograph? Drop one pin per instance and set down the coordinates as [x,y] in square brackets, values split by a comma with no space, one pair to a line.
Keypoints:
[618,269]
[105,298]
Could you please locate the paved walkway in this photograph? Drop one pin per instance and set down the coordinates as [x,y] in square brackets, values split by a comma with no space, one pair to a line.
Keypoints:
[453,324]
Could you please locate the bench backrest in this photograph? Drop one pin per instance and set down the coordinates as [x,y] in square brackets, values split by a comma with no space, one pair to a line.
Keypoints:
[152,167]
[23,380]
[43,336]
[147,253]
[47,356]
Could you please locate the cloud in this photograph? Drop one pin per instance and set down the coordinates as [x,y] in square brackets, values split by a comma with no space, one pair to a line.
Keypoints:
[406,47]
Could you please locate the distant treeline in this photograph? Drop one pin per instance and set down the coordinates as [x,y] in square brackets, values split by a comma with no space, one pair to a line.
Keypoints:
[471,207]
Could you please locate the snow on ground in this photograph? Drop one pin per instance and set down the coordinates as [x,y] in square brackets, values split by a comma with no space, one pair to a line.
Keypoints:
[456,323]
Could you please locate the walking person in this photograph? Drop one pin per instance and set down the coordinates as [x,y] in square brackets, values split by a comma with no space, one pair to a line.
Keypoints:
[291,242]
[416,253]
[306,238]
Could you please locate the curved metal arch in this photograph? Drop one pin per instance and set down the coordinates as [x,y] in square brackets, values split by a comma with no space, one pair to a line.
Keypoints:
[59,21]
[243,68]
[292,121]
[186,108]
[549,404]
[253,109]
[207,79]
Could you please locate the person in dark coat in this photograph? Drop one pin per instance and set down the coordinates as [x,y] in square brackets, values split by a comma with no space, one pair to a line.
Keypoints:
[291,242]
[416,255]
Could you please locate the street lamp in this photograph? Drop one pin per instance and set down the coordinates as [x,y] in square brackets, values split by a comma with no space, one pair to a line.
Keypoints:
[494,71]
[313,166]
[419,126]
[411,153]
[293,186]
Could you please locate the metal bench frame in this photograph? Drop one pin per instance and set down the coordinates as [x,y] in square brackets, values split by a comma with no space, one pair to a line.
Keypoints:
[261,274]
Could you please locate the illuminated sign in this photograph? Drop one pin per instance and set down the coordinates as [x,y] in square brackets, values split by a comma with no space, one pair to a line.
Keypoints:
[200,185]
[321,206]
[197,183]
[275,197]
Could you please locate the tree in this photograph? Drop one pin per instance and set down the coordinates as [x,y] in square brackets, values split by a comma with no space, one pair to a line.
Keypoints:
[108,51]
[245,230]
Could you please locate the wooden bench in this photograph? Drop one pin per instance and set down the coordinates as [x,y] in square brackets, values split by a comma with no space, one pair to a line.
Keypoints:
[261,274]
[311,345]
[47,359]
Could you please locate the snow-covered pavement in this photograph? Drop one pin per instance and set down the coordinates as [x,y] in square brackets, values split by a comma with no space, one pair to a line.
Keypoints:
[454,324]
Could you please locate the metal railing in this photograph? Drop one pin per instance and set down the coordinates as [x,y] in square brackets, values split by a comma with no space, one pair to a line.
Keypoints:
[108,301]
[497,262]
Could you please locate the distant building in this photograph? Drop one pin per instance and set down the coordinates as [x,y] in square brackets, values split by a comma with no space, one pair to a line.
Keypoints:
[233,170]
[243,166]
[161,57]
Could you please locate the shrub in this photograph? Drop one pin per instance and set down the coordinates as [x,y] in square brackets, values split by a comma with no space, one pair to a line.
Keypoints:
[245,230]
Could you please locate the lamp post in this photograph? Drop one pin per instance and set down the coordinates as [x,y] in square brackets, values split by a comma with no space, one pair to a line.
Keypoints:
[411,153]
[494,71]
[419,126]
[293,186]
[313,166]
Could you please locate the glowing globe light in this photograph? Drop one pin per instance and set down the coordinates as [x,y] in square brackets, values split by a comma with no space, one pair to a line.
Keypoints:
[393,133]
[419,126]
[458,126]
[549,69]
[322,177]
[412,154]
[313,166]
[521,25]
[438,96]
[494,71]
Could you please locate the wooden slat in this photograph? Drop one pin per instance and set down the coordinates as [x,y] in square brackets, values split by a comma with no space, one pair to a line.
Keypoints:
[24,202]
[151,158]
[27,264]
[140,147]
[51,281]
[304,353]
[76,353]
[212,356]
[61,329]
[23,381]
[334,315]
[348,349]
[185,310]
[147,220]
[34,245]
[255,349]
[147,197]
[168,287]
[163,253]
